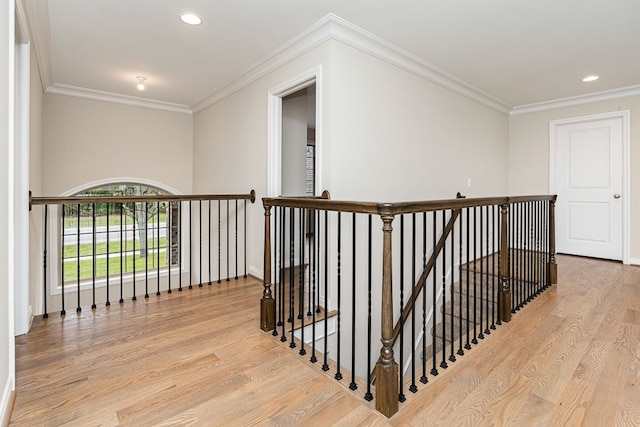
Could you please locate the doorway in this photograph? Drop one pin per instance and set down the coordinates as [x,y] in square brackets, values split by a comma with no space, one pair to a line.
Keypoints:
[298,143]
[295,136]
[590,175]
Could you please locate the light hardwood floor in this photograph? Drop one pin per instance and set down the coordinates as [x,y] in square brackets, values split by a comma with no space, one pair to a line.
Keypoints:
[570,357]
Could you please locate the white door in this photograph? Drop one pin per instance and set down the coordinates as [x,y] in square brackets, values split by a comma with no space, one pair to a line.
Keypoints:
[589,166]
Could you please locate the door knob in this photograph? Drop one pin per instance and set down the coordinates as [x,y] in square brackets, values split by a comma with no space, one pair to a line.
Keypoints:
[616,196]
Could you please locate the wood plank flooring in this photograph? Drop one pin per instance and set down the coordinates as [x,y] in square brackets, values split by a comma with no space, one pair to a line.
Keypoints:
[570,357]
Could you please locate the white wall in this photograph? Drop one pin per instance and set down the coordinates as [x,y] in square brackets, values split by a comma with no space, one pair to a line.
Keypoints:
[399,137]
[529,153]
[86,141]
[294,144]
[7,347]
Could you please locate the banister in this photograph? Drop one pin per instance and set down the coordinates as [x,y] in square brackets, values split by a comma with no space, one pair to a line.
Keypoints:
[395,208]
[251,196]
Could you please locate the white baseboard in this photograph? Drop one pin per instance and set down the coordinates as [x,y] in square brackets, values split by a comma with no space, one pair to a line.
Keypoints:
[256,272]
[6,403]
[634,261]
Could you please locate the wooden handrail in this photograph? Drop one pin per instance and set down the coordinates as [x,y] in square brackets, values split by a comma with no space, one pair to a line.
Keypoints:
[395,208]
[251,196]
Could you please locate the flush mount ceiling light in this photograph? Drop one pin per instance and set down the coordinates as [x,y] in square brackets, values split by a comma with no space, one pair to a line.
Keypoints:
[190,18]
[591,78]
[140,84]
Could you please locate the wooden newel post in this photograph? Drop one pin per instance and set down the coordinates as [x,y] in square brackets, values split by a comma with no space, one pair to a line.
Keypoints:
[267,303]
[386,367]
[553,266]
[505,290]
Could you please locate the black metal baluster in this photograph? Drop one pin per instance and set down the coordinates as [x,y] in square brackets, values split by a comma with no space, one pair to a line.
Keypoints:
[482,284]
[121,257]
[158,248]
[78,308]
[219,246]
[338,375]
[180,246]
[423,377]
[413,387]
[401,395]
[169,232]
[134,297]
[444,364]
[200,243]
[209,241]
[487,317]
[146,254]
[434,310]
[325,365]
[244,234]
[190,247]
[276,263]
[353,385]
[493,266]
[452,357]
[468,281]
[302,351]
[475,287]
[312,272]
[311,237]
[368,396]
[45,315]
[64,228]
[292,240]
[460,231]
[283,231]
[228,271]
[301,269]
[514,254]
[236,225]
[108,303]
[93,256]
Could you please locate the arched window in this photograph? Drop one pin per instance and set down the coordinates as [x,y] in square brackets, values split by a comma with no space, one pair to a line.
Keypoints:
[100,240]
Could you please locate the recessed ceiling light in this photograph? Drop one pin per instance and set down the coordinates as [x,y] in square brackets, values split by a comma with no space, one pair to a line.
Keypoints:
[591,78]
[190,18]
[140,84]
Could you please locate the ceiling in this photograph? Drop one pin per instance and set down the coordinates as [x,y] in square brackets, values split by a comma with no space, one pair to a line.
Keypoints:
[518,52]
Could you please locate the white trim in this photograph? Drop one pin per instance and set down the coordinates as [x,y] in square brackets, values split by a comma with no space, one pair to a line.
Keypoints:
[607,95]
[332,27]
[634,261]
[625,116]
[274,128]
[116,98]
[121,180]
[37,14]
[21,177]
[5,399]
[256,272]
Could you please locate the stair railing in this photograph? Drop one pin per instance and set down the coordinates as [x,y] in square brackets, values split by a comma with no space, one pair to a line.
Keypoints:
[102,251]
[513,239]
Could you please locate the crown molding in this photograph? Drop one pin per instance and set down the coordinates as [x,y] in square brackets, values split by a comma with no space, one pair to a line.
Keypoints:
[332,27]
[307,40]
[98,95]
[606,95]
[37,15]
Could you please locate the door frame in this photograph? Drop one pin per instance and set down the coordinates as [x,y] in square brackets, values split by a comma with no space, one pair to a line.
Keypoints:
[626,167]
[274,144]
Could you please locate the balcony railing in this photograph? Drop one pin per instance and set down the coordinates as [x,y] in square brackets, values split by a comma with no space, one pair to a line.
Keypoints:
[99,249]
[439,277]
